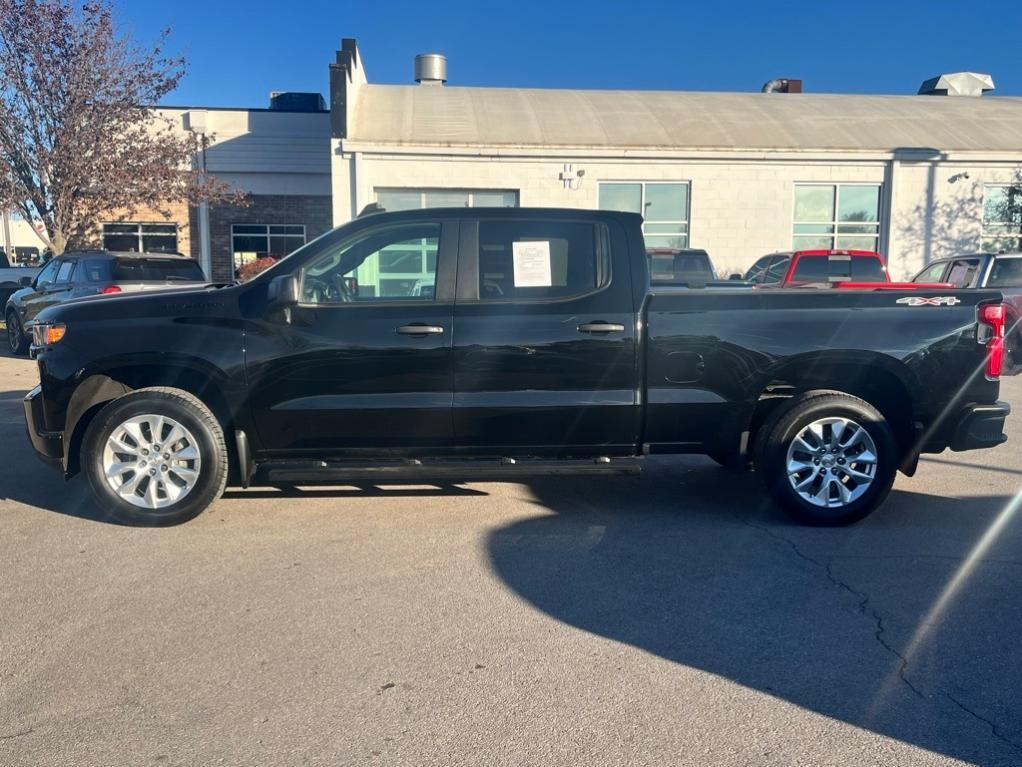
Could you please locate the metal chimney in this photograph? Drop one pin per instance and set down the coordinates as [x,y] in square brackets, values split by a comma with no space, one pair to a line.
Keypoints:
[431,69]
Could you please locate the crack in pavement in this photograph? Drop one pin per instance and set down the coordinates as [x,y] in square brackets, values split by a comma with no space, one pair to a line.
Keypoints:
[866,609]
[17,734]
[993,727]
[864,606]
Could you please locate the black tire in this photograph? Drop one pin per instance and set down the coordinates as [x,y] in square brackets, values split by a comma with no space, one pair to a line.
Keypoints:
[789,420]
[16,340]
[194,416]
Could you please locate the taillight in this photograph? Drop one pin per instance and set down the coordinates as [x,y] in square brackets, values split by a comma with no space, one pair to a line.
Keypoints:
[995,316]
[109,289]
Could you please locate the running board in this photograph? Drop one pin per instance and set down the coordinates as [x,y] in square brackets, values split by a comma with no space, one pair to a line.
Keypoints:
[322,472]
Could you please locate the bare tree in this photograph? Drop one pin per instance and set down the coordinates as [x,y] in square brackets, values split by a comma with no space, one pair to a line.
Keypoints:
[79,137]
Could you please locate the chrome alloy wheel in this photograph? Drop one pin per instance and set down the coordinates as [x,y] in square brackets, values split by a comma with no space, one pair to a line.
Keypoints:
[832,462]
[151,461]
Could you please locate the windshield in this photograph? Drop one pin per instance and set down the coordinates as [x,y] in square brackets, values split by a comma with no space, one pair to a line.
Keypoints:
[1006,273]
[838,268]
[157,270]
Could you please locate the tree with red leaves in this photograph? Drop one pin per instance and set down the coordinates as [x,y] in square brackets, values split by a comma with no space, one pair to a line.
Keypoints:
[79,135]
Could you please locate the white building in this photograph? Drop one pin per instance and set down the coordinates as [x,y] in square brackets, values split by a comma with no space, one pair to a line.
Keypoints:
[739,174]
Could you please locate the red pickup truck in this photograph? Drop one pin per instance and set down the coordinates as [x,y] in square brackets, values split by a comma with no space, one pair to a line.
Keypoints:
[848,269]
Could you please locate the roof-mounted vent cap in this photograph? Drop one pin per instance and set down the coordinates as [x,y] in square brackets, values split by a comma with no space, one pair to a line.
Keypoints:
[957,84]
[431,69]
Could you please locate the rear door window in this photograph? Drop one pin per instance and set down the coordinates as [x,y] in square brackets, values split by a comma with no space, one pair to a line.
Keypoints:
[65,271]
[156,270]
[539,260]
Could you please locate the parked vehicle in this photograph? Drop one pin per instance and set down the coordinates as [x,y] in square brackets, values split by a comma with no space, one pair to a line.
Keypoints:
[90,272]
[1002,271]
[690,267]
[13,278]
[849,269]
[542,348]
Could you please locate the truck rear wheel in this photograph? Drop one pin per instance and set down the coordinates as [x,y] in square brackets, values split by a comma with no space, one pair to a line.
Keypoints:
[155,457]
[827,458]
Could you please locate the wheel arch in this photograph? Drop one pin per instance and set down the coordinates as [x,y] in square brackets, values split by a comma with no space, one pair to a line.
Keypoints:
[883,381]
[101,387]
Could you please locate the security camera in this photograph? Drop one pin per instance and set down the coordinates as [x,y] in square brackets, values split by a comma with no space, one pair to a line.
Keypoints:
[581,173]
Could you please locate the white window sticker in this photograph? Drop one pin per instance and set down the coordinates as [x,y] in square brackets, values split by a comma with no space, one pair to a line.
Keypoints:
[532,264]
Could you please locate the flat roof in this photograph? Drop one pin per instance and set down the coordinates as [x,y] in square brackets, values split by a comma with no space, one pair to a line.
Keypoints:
[609,119]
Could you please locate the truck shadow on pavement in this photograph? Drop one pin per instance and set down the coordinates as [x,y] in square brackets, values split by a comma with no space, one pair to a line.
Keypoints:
[853,623]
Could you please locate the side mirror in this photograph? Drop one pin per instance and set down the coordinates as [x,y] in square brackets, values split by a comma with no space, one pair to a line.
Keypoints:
[282,292]
[25,282]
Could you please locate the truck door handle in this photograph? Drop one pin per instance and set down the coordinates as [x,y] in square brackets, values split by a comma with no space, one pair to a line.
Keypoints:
[601,327]
[420,329]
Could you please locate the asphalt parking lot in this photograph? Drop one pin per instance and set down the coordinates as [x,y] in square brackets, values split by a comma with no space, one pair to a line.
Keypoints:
[671,618]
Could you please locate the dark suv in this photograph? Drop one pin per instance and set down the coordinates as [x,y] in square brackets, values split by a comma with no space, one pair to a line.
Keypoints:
[90,272]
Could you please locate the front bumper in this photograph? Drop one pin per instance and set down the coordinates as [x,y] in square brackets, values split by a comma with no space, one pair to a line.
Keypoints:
[980,426]
[48,445]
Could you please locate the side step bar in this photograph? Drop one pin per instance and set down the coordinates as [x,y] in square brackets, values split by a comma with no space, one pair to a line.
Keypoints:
[322,472]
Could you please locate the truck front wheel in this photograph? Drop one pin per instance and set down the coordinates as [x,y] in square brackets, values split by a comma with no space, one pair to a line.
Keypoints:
[827,458]
[155,456]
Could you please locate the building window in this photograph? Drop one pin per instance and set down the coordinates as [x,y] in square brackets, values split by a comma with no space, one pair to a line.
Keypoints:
[252,241]
[413,199]
[1002,218]
[664,208]
[836,216]
[140,237]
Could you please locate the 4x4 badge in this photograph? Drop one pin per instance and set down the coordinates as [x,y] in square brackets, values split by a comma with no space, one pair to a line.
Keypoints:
[924,301]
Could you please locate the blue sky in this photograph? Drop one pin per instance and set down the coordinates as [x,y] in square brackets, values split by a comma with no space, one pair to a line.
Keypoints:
[238,52]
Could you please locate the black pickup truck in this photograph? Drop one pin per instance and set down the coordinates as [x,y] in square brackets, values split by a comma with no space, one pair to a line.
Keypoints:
[493,343]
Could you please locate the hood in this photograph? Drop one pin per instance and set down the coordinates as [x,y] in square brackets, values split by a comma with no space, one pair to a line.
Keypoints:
[184,302]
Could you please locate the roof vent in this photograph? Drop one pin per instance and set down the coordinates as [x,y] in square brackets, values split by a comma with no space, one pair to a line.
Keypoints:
[957,84]
[431,69]
[782,85]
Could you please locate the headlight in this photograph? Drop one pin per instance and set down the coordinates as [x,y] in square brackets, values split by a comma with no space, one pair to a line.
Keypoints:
[47,334]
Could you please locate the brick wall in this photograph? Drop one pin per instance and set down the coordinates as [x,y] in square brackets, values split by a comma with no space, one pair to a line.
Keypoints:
[314,211]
